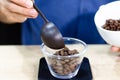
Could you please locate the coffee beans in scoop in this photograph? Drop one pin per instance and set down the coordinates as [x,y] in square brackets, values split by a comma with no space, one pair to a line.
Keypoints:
[112,25]
[65,66]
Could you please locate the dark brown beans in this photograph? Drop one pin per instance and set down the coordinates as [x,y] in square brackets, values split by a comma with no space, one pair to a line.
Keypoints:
[112,25]
[65,66]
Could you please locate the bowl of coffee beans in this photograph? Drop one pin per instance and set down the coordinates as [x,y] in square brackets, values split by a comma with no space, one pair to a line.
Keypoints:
[65,63]
[107,21]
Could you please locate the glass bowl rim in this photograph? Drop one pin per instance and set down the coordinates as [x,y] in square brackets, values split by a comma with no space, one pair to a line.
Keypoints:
[69,56]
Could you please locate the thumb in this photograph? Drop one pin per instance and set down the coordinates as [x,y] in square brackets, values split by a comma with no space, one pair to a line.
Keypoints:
[115,49]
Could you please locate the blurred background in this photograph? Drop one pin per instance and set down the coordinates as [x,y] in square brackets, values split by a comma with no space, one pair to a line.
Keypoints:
[10,34]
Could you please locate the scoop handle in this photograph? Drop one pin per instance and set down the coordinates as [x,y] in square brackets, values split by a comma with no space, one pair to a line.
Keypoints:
[40,12]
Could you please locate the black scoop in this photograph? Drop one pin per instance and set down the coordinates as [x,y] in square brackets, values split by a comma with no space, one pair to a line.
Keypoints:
[50,34]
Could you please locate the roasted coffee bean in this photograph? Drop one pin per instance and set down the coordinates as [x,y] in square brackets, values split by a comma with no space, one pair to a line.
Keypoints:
[62,62]
[65,49]
[72,67]
[66,60]
[60,72]
[111,24]
[65,72]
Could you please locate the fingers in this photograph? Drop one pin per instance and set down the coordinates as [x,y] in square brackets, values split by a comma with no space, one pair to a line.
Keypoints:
[12,11]
[12,17]
[15,18]
[21,10]
[24,3]
[115,49]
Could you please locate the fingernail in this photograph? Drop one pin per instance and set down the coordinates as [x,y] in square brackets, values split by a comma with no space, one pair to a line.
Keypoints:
[29,4]
[33,12]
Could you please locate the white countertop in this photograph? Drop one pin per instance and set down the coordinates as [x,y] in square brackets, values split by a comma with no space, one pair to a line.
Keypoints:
[22,62]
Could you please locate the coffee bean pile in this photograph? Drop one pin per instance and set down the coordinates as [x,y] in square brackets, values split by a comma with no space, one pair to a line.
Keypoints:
[65,66]
[111,24]
[65,52]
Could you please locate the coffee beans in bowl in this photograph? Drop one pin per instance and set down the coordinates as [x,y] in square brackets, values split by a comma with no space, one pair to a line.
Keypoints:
[65,63]
[112,25]
[65,66]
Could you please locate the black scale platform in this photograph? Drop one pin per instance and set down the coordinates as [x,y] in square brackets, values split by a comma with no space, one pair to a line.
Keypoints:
[83,74]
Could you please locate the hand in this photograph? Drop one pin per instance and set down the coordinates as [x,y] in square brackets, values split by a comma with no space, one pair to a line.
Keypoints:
[16,11]
[115,49]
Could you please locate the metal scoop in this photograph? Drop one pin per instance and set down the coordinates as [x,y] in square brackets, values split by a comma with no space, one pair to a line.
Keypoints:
[50,34]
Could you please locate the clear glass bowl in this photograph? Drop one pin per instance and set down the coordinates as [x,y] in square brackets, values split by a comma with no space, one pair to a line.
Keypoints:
[65,67]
